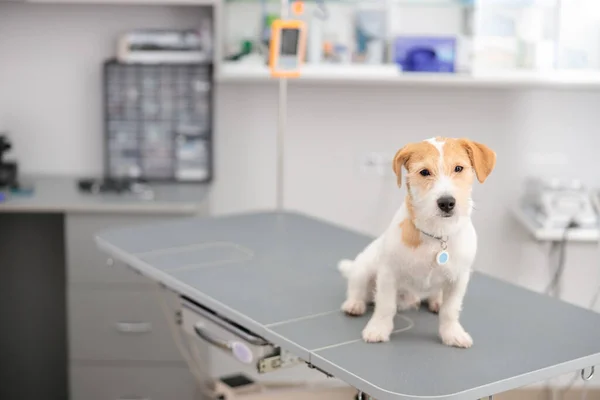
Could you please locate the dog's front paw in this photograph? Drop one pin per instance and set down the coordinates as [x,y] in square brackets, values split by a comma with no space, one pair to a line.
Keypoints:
[377,331]
[354,307]
[455,335]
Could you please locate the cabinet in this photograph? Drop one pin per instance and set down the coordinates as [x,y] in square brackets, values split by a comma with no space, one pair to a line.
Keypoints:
[129,383]
[120,344]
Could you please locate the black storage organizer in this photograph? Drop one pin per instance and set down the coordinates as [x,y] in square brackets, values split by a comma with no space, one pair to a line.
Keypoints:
[158,124]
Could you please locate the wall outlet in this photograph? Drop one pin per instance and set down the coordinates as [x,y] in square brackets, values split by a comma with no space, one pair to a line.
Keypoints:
[375,164]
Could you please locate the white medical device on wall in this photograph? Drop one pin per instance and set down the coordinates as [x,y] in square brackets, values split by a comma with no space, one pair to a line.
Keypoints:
[556,204]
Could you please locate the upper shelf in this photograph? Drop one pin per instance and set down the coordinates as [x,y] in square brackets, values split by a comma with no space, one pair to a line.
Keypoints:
[232,72]
[428,3]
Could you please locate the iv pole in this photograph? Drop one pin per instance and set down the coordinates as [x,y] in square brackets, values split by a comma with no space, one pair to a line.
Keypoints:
[281,124]
[283,91]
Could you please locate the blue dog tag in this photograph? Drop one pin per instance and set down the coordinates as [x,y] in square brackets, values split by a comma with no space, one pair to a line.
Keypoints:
[442,257]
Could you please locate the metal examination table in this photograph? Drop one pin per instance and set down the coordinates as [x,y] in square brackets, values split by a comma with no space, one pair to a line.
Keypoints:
[276,275]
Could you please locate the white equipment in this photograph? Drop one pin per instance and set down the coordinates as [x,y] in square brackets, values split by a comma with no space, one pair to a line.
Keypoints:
[556,204]
[163,46]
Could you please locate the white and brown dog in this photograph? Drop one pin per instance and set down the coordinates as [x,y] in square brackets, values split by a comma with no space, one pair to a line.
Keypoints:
[429,247]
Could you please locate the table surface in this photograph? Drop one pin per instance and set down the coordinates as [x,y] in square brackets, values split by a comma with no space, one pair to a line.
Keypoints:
[60,194]
[276,274]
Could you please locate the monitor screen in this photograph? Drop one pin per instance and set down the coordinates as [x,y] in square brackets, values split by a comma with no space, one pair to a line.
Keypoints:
[289,41]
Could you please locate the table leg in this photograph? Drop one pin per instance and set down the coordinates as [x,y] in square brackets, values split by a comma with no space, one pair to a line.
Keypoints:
[363,396]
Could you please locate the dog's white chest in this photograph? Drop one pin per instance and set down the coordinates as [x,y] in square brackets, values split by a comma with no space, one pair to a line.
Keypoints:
[418,269]
[422,273]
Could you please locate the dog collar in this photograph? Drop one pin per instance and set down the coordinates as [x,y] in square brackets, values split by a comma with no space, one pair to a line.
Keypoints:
[442,256]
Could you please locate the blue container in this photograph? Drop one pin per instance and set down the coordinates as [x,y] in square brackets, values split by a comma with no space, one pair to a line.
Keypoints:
[425,53]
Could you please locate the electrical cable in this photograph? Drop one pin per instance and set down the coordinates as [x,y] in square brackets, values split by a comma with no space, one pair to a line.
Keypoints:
[554,282]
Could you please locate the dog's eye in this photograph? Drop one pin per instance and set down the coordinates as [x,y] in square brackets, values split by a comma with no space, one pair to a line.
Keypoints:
[425,172]
[458,168]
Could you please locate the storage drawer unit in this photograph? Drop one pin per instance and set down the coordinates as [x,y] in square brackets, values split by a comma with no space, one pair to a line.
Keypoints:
[159,121]
[121,347]
[126,325]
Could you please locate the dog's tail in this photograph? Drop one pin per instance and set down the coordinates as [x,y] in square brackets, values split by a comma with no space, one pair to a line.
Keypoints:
[345,266]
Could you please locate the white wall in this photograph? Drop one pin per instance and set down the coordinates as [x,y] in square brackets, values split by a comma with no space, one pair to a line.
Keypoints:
[50,101]
[533,132]
[50,77]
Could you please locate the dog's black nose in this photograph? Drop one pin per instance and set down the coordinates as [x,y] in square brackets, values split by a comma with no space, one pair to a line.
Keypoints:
[446,203]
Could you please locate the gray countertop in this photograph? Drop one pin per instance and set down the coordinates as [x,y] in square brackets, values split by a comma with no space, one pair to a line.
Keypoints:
[60,194]
[276,275]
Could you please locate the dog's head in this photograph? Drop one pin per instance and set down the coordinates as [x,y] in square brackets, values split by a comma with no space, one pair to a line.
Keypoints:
[439,177]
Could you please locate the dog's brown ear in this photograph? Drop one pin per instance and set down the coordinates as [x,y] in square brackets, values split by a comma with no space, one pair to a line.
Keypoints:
[483,159]
[400,160]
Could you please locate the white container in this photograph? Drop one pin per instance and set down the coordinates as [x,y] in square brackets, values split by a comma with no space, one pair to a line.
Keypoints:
[315,41]
[375,49]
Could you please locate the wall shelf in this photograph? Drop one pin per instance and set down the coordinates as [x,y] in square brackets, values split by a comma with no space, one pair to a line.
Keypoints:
[240,72]
[525,218]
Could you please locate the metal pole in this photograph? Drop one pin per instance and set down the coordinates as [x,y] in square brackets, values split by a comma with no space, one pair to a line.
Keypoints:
[281,123]
[280,140]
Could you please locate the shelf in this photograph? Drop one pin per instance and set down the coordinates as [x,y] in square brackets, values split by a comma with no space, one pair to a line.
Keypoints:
[525,218]
[426,3]
[403,3]
[240,72]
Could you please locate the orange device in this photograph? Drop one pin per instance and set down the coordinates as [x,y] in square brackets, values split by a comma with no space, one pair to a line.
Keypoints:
[287,48]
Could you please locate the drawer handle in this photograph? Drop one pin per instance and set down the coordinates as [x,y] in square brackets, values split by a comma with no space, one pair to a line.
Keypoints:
[134,327]
[238,349]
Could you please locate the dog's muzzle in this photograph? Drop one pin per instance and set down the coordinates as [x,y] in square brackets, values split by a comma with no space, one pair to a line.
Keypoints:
[446,205]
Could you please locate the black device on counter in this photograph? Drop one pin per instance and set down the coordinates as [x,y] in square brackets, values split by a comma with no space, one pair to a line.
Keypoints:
[108,185]
[8,170]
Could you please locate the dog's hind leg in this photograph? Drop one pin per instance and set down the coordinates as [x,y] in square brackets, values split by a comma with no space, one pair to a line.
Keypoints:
[407,300]
[360,274]
[435,302]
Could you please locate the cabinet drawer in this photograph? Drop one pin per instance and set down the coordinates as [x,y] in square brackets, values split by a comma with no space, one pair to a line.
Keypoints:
[119,325]
[87,264]
[131,383]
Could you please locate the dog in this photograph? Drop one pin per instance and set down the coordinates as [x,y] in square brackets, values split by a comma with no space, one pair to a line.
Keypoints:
[427,251]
